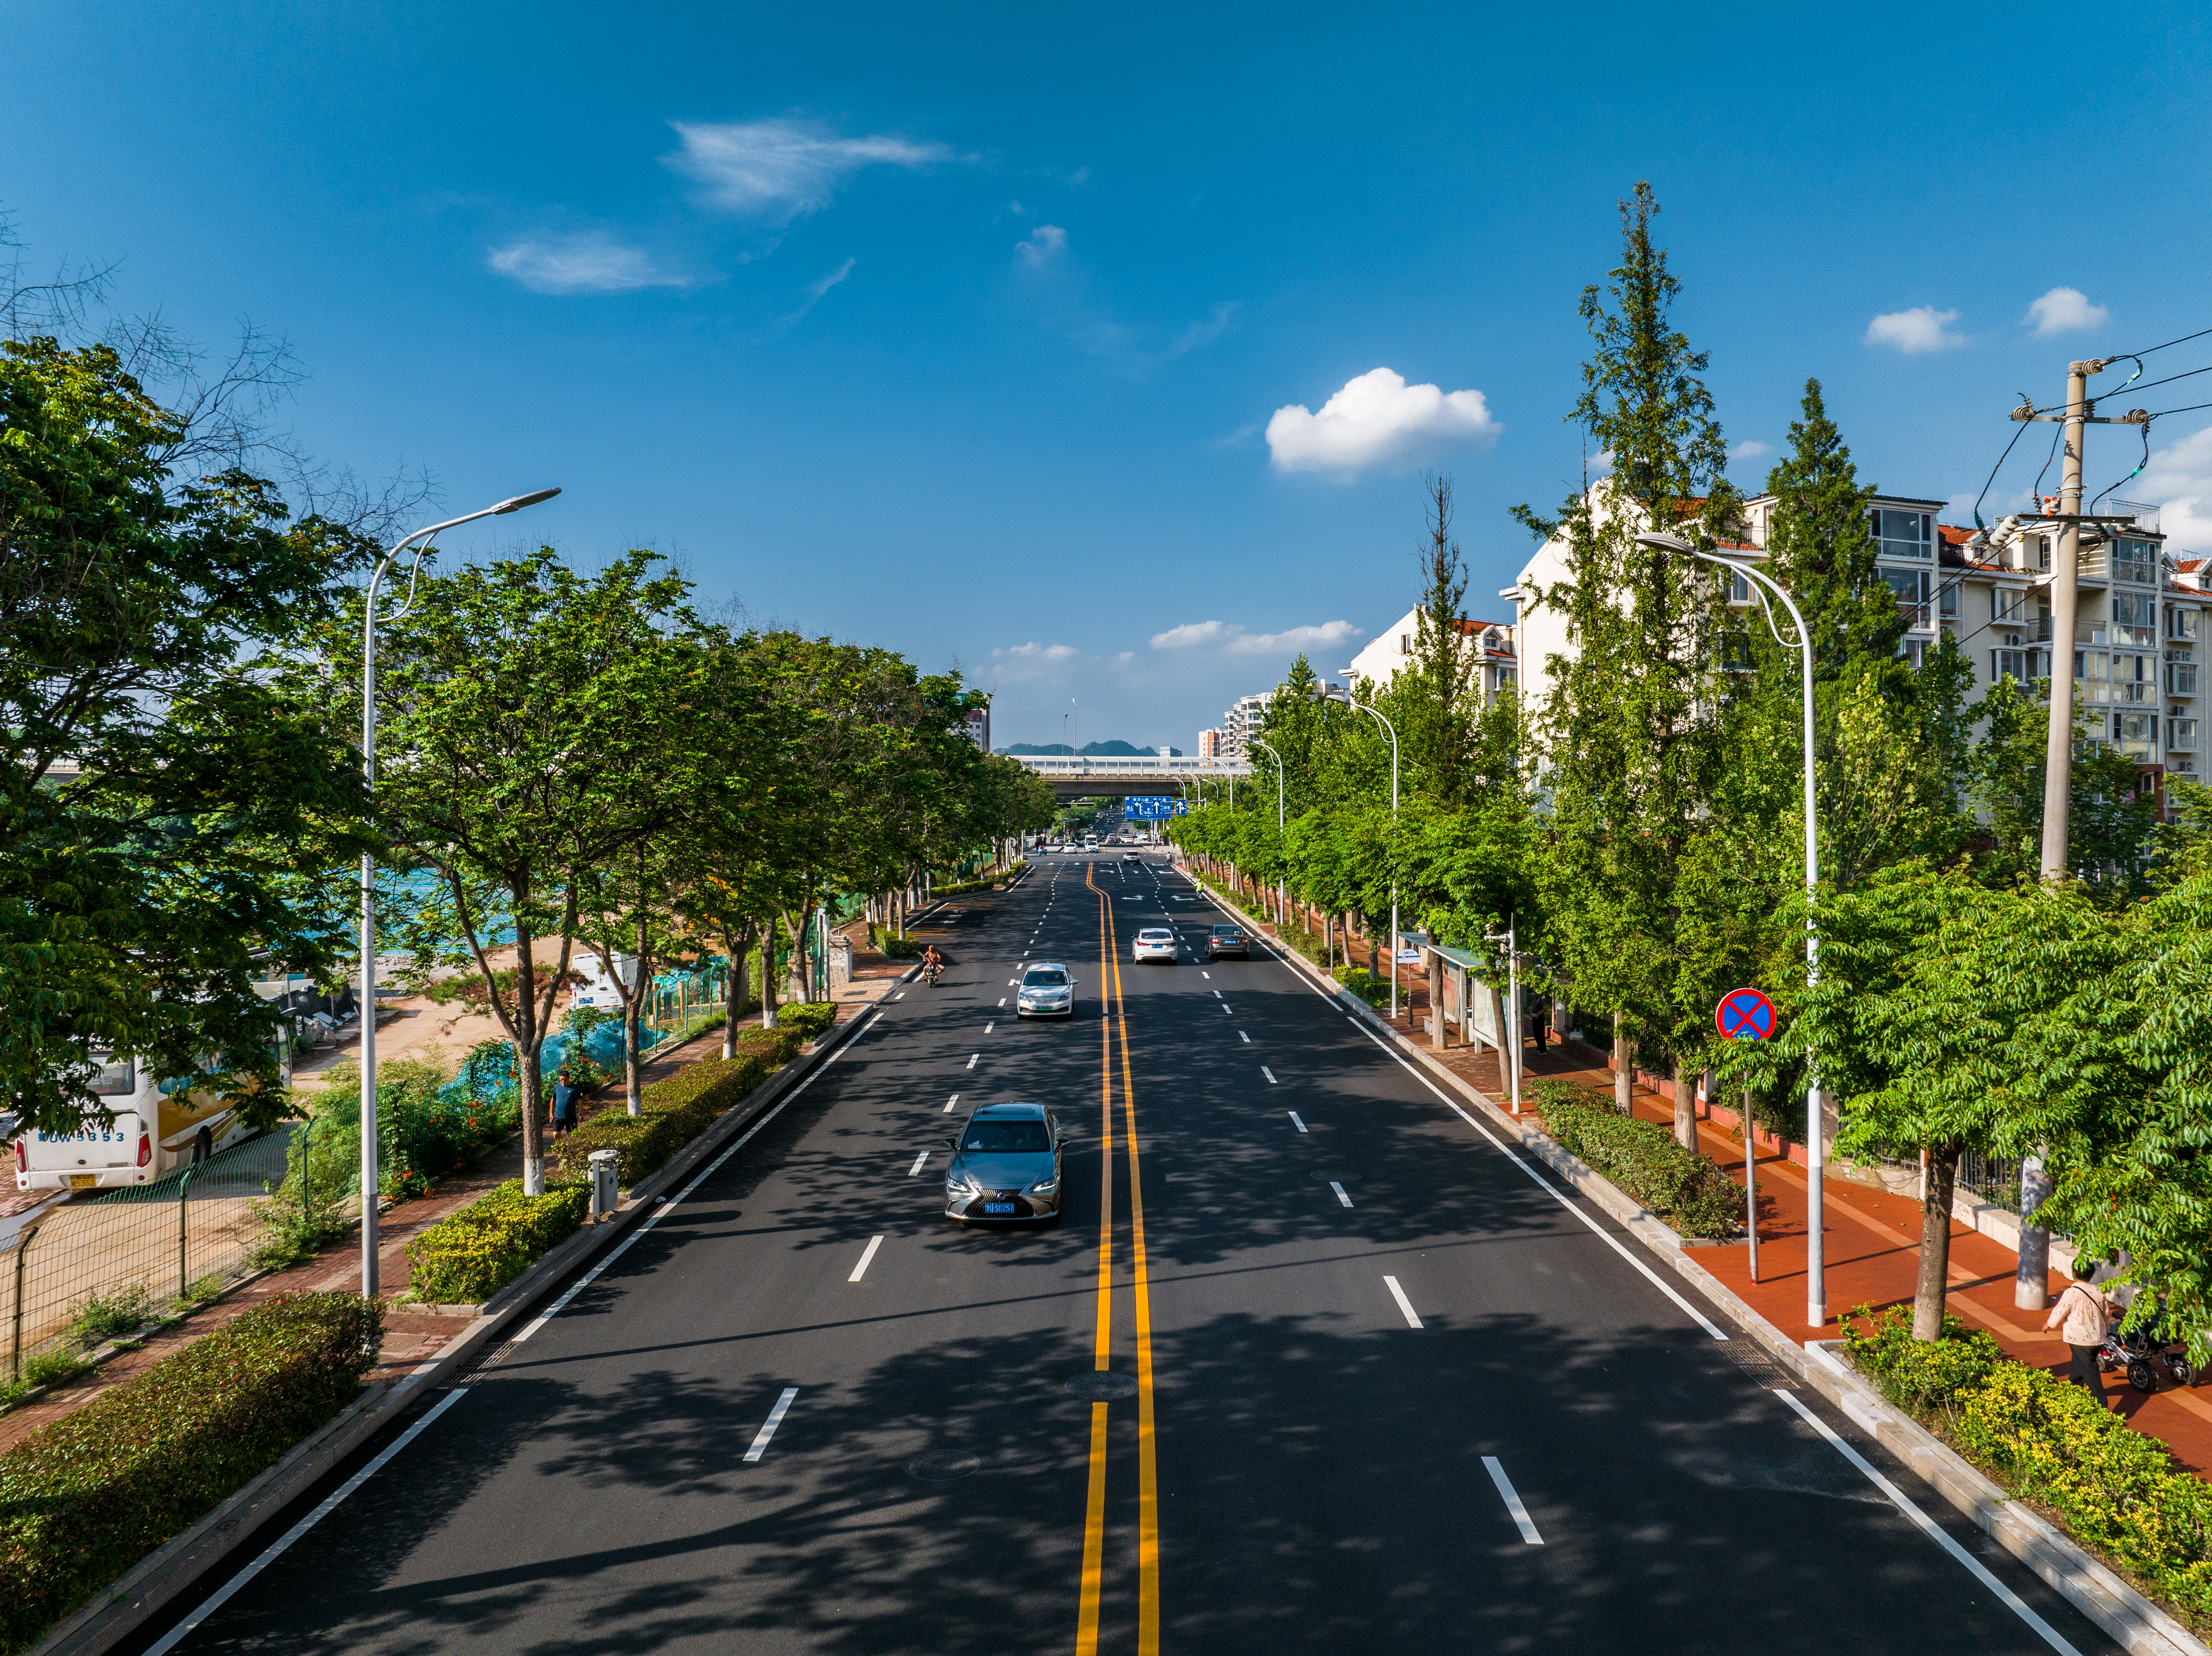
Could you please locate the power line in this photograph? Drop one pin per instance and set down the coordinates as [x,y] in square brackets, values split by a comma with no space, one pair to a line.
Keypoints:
[1993,470]
[2184,340]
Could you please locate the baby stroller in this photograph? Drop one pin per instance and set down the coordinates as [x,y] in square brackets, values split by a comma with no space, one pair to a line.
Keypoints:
[2144,1351]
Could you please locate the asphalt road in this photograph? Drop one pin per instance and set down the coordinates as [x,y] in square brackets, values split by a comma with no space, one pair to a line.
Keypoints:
[1282,1459]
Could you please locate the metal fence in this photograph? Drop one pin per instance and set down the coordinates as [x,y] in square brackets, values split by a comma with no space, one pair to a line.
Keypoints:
[144,1248]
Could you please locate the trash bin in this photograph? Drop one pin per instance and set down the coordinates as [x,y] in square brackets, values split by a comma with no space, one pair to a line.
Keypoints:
[604,1194]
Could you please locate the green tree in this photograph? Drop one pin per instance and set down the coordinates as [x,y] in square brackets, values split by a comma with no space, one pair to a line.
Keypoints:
[1630,734]
[173,802]
[535,727]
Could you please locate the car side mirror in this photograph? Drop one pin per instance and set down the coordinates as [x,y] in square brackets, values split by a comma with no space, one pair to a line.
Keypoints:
[952,1144]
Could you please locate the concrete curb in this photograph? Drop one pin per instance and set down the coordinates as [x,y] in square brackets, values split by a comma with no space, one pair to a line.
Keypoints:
[149,1586]
[2134,1623]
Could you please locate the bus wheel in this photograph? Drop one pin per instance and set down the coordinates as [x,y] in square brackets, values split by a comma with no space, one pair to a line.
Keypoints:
[203,1147]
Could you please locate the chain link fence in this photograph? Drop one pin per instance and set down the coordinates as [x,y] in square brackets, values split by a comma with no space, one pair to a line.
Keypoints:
[84,1272]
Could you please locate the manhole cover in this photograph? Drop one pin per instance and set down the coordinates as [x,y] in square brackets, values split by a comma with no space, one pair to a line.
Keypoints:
[1101,1385]
[1329,1176]
[944,1466]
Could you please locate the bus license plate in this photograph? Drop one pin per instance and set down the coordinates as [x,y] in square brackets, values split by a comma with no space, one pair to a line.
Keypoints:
[82,1180]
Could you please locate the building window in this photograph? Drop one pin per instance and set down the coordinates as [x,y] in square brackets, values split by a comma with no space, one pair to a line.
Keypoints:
[1405,643]
[2181,733]
[2134,734]
[2008,604]
[1947,601]
[2181,623]
[1914,652]
[2135,681]
[1739,588]
[2008,664]
[2136,561]
[1904,534]
[2134,618]
[2181,678]
[2092,674]
[1910,588]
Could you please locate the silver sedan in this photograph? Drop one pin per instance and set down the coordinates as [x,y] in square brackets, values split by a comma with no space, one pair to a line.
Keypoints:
[1006,1165]
[1047,991]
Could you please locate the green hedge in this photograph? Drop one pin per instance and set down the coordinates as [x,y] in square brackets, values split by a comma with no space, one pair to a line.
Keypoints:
[473,1253]
[2114,1489]
[1687,1189]
[84,1499]
[809,1017]
[675,1112]
[1368,986]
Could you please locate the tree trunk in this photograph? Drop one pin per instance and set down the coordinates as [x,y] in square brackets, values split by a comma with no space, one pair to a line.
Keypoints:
[633,1063]
[1436,1001]
[1624,1064]
[1685,1107]
[734,993]
[767,976]
[1934,1241]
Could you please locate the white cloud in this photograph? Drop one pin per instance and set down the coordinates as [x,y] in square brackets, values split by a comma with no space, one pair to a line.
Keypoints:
[1377,419]
[779,170]
[584,262]
[1050,242]
[816,288]
[2180,478]
[1920,329]
[1749,450]
[1228,635]
[2063,310]
[1033,651]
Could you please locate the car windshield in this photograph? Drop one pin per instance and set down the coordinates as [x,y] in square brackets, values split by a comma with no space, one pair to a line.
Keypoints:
[1155,934]
[1045,980]
[1005,1136]
[1226,932]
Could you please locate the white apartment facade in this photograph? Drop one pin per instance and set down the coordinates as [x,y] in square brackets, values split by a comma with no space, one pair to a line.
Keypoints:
[2139,615]
[1491,642]
[1241,722]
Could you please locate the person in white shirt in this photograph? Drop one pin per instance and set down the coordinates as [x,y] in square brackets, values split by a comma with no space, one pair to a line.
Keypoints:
[2080,1318]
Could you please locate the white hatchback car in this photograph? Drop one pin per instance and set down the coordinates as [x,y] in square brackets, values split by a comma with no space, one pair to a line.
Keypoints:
[1155,942]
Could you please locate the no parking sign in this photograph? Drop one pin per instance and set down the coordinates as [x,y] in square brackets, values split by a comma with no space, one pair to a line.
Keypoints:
[1744,1015]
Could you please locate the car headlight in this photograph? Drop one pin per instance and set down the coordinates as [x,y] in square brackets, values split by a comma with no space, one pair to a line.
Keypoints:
[959,1184]
[1045,1186]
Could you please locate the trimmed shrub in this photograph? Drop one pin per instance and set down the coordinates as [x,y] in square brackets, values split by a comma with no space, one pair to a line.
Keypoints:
[1688,1190]
[2112,1488]
[674,1113]
[809,1017]
[84,1499]
[1923,1377]
[775,1048]
[471,1254]
[1371,988]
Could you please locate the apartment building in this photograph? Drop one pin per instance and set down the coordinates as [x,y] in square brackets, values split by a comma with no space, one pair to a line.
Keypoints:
[2139,614]
[1490,642]
[1210,743]
[1241,722]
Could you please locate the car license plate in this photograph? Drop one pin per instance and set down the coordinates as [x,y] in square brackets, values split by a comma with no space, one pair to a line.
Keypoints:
[998,1207]
[81,1180]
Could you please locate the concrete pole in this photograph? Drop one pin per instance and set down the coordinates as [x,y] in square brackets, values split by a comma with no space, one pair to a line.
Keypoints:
[2058,745]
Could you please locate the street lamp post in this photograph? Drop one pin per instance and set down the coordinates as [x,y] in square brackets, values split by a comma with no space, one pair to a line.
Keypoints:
[1346,696]
[369,1173]
[1816,1292]
[1282,897]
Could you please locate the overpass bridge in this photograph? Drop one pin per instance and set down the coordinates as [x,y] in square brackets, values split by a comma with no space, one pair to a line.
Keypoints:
[1093,776]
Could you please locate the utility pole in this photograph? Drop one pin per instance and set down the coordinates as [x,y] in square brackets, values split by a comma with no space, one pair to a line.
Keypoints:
[2032,1281]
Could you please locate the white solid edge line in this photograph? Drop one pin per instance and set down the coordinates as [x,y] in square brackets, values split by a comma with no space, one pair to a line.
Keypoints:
[920,1161]
[1412,1319]
[663,1210]
[1935,1531]
[222,1595]
[1513,1501]
[768,1427]
[1346,1200]
[1270,1074]
[867,1254]
[1295,1121]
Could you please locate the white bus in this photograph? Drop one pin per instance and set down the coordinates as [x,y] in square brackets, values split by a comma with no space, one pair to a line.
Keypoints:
[156,1129]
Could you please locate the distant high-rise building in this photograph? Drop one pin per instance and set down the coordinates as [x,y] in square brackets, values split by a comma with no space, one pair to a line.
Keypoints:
[979,726]
[1211,745]
[1241,722]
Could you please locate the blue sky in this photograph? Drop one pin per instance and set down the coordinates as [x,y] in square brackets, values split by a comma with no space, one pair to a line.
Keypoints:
[971,332]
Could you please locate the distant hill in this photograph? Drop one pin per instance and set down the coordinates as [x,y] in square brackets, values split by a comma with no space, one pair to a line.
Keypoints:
[1092,750]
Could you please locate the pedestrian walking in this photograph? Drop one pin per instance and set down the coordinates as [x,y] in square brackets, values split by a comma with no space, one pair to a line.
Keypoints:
[2079,1317]
[1538,1017]
[565,1094]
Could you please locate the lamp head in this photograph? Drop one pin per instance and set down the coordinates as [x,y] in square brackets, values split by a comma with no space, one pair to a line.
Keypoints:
[521,500]
[1664,542]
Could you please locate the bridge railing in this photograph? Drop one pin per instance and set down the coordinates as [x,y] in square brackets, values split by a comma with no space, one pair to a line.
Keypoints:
[1132,767]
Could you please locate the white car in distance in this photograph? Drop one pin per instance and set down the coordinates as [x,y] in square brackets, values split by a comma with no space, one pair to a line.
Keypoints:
[1155,942]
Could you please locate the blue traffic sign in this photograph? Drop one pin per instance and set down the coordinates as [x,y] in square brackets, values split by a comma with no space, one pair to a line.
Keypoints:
[1152,807]
[1744,1015]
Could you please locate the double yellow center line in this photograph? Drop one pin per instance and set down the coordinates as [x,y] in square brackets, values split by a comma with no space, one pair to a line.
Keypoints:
[1116,1011]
